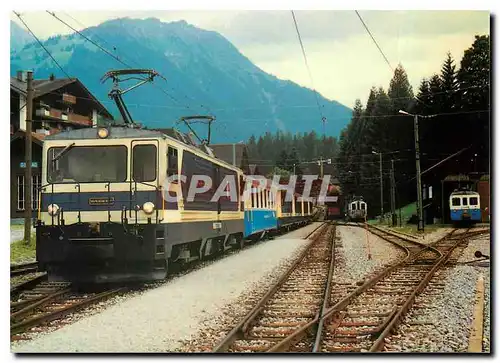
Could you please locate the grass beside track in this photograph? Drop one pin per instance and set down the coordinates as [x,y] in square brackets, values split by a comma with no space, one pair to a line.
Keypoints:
[412,229]
[21,252]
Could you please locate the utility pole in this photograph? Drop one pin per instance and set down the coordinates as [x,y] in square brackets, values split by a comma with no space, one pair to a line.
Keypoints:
[321,166]
[28,154]
[393,196]
[419,176]
[381,190]
[420,207]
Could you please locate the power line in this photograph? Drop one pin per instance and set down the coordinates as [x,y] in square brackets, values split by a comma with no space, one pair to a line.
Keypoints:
[90,40]
[368,30]
[134,61]
[113,56]
[40,43]
[323,119]
[383,55]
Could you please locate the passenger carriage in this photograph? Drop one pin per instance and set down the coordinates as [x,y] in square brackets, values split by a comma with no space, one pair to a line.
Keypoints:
[260,211]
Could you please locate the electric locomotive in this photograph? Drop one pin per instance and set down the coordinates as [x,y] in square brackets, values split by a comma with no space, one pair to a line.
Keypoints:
[465,206]
[109,212]
[108,215]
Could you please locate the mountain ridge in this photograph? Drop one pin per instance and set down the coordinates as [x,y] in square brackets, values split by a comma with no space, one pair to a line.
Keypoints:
[205,74]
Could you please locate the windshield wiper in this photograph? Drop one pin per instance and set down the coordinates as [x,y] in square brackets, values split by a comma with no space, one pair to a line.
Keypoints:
[63,151]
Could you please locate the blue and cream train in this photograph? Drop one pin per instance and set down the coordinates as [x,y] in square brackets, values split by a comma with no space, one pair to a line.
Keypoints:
[104,214]
[465,207]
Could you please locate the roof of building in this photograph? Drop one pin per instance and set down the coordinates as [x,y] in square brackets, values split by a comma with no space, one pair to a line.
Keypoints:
[20,134]
[44,86]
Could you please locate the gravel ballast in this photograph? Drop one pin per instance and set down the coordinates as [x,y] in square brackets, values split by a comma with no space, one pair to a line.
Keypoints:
[356,250]
[159,320]
[442,315]
[352,264]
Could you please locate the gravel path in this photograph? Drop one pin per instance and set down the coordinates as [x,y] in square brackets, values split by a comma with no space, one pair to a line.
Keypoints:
[159,320]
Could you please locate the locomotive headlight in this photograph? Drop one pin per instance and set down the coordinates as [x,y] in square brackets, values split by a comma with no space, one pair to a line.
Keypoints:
[102,133]
[53,209]
[148,207]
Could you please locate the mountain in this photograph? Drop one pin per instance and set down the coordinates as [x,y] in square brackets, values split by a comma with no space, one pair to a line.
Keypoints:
[204,74]
[18,37]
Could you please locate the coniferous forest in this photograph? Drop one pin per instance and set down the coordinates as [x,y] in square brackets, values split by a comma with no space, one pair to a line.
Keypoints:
[453,107]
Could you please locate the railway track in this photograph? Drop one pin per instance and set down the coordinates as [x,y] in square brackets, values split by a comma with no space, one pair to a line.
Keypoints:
[350,319]
[23,268]
[293,301]
[49,301]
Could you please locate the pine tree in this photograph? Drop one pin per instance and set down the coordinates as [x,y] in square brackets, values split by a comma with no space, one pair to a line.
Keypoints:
[474,75]
[400,91]
[449,84]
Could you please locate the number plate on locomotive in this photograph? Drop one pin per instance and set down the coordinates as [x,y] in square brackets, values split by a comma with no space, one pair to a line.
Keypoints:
[102,201]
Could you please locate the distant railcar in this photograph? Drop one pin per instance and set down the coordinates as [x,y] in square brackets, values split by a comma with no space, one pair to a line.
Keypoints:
[335,208]
[357,210]
[465,207]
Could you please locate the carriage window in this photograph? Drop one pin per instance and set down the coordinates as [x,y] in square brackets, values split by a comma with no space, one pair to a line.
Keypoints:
[144,163]
[455,202]
[172,161]
[464,201]
[473,201]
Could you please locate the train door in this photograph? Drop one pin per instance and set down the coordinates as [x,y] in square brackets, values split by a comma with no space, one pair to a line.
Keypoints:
[145,177]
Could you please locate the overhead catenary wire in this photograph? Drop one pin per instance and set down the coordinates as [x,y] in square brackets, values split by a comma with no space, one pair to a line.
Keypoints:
[113,56]
[383,54]
[374,41]
[40,43]
[135,62]
[323,119]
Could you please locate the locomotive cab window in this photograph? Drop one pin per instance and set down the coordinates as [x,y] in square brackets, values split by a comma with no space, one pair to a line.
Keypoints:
[363,206]
[473,201]
[87,164]
[455,202]
[144,163]
[353,206]
[464,201]
[172,161]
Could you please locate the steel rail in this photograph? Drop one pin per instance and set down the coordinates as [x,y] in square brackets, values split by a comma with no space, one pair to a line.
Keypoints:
[29,284]
[378,345]
[42,318]
[23,268]
[319,320]
[316,323]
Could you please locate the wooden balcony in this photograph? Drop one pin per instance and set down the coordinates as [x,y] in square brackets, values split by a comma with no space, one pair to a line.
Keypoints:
[54,114]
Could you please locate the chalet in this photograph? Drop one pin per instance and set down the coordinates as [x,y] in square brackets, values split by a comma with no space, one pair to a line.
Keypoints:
[58,104]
